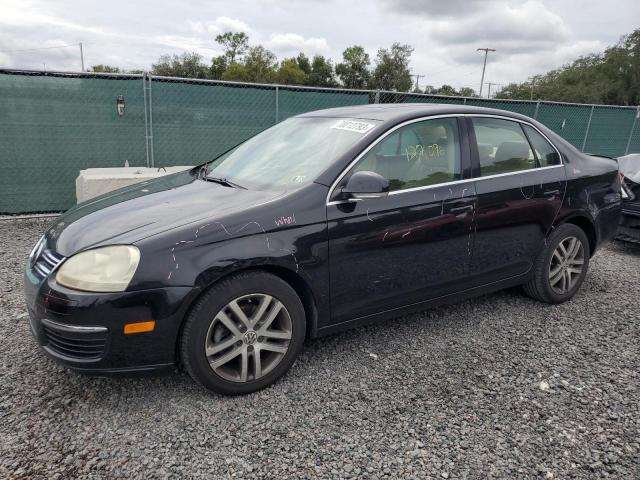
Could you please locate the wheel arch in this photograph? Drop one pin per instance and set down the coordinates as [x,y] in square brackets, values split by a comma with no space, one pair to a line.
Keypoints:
[587,226]
[293,279]
[302,288]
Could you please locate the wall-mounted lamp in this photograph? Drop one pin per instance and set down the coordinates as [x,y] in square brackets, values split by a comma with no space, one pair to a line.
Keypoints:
[120,105]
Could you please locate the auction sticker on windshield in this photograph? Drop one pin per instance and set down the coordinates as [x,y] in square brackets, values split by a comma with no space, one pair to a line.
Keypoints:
[353,126]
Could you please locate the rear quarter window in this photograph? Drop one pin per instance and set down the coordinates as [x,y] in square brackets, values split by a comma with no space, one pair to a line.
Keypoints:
[545,153]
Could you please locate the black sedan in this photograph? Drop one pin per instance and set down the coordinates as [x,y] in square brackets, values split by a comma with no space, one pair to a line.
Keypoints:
[326,221]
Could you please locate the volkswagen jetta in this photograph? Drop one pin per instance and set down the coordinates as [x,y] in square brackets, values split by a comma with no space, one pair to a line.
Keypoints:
[326,221]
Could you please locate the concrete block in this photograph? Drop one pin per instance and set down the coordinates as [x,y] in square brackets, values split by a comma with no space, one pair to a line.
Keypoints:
[96,181]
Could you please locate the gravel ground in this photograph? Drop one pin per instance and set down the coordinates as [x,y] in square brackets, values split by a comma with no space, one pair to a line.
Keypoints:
[497,387]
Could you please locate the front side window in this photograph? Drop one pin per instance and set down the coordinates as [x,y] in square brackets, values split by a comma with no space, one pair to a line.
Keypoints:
[291,153]
[502,146]
[416,155]
[545,153]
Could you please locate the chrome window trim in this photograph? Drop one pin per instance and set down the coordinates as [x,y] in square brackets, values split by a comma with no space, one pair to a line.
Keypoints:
[455,182]
[437,185]
[72,328]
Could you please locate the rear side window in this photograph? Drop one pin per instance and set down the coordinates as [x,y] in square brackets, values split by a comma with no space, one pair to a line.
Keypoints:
[545,153]
[502,146]
[416,155]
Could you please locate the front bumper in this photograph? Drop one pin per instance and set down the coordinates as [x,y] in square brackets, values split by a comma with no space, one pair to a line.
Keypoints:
[85,331]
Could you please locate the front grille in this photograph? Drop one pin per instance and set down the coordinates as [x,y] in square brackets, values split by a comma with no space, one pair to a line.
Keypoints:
[46,262]
[81,343]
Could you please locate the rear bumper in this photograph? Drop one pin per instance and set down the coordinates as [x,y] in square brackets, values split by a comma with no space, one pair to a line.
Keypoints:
[85,331]
[629,228]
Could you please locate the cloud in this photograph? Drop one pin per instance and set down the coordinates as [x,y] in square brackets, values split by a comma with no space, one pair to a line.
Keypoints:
[282,44]
[437,8]
[530,36]
[233,25]
[292,43]
[16,14]
[186,43]
[220,25]
[528,26]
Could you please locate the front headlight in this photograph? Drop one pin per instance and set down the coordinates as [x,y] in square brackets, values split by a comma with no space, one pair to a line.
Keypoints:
[105,269]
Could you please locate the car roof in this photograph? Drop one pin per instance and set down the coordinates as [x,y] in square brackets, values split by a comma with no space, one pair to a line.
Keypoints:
[396,112]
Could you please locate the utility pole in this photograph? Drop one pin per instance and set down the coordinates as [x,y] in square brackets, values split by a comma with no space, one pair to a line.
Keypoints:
[484,65]
[81,58]
[489,85]
[418,77]
[533,81]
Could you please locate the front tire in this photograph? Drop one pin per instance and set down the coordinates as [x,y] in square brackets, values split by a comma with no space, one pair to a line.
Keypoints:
[561,267]
[243,334]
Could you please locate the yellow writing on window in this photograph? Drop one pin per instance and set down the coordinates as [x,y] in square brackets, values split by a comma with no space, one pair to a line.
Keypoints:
[419,152]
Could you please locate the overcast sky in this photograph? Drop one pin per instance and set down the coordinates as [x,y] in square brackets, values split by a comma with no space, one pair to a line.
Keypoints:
[530,36]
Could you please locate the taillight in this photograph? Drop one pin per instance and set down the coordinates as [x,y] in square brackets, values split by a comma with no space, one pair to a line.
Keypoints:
[623,187]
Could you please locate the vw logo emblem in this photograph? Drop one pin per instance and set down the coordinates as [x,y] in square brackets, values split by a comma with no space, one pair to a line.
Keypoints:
[250,337]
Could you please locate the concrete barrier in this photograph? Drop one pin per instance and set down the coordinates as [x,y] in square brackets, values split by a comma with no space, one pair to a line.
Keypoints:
[96,181]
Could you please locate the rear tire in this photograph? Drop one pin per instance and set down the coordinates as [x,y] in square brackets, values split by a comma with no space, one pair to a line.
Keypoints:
[243,334]
[561,267]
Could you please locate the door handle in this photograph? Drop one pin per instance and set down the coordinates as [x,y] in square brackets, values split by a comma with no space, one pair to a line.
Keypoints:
[461,209]
[552,192]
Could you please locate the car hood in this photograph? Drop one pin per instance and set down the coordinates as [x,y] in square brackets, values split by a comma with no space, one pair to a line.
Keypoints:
[133,213]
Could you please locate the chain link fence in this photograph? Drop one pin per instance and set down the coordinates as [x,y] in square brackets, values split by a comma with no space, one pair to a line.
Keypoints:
[54,124]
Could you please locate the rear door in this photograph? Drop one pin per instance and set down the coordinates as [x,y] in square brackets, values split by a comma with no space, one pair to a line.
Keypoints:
[518,196]
[414,244]
[552,175]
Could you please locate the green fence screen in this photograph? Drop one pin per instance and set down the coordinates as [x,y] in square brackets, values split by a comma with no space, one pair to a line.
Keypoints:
[52,125]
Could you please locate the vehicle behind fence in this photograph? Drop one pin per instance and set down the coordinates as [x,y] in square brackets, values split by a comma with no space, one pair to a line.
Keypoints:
[54,124]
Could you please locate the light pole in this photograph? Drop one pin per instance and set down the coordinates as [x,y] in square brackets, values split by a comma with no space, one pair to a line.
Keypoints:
[484,65]
[418,77]
[81,58]
[533,81]
[489,87]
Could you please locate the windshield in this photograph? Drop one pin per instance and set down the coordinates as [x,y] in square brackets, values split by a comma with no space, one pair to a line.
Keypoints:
[290,153]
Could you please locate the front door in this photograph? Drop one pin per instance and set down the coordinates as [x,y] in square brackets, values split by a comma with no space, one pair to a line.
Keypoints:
[414,244]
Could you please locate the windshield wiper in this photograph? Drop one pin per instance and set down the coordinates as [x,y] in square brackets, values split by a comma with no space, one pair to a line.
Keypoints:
[223,181]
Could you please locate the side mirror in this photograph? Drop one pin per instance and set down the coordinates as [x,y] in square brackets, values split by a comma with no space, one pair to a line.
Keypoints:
[365,185]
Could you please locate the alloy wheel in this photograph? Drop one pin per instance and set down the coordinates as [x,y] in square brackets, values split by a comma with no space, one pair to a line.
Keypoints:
[248,337]
[566,265]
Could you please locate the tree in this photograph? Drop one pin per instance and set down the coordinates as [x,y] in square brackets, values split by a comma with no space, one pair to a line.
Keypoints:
[290,73]
[611,77]
[304,63]
[353,71]
[236,72]
[235,45]
[260,65]
[218,67]
[515,91]
[467,92]
[445,90]
[321,74]
[188,65]
[392,68]
[104,69]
